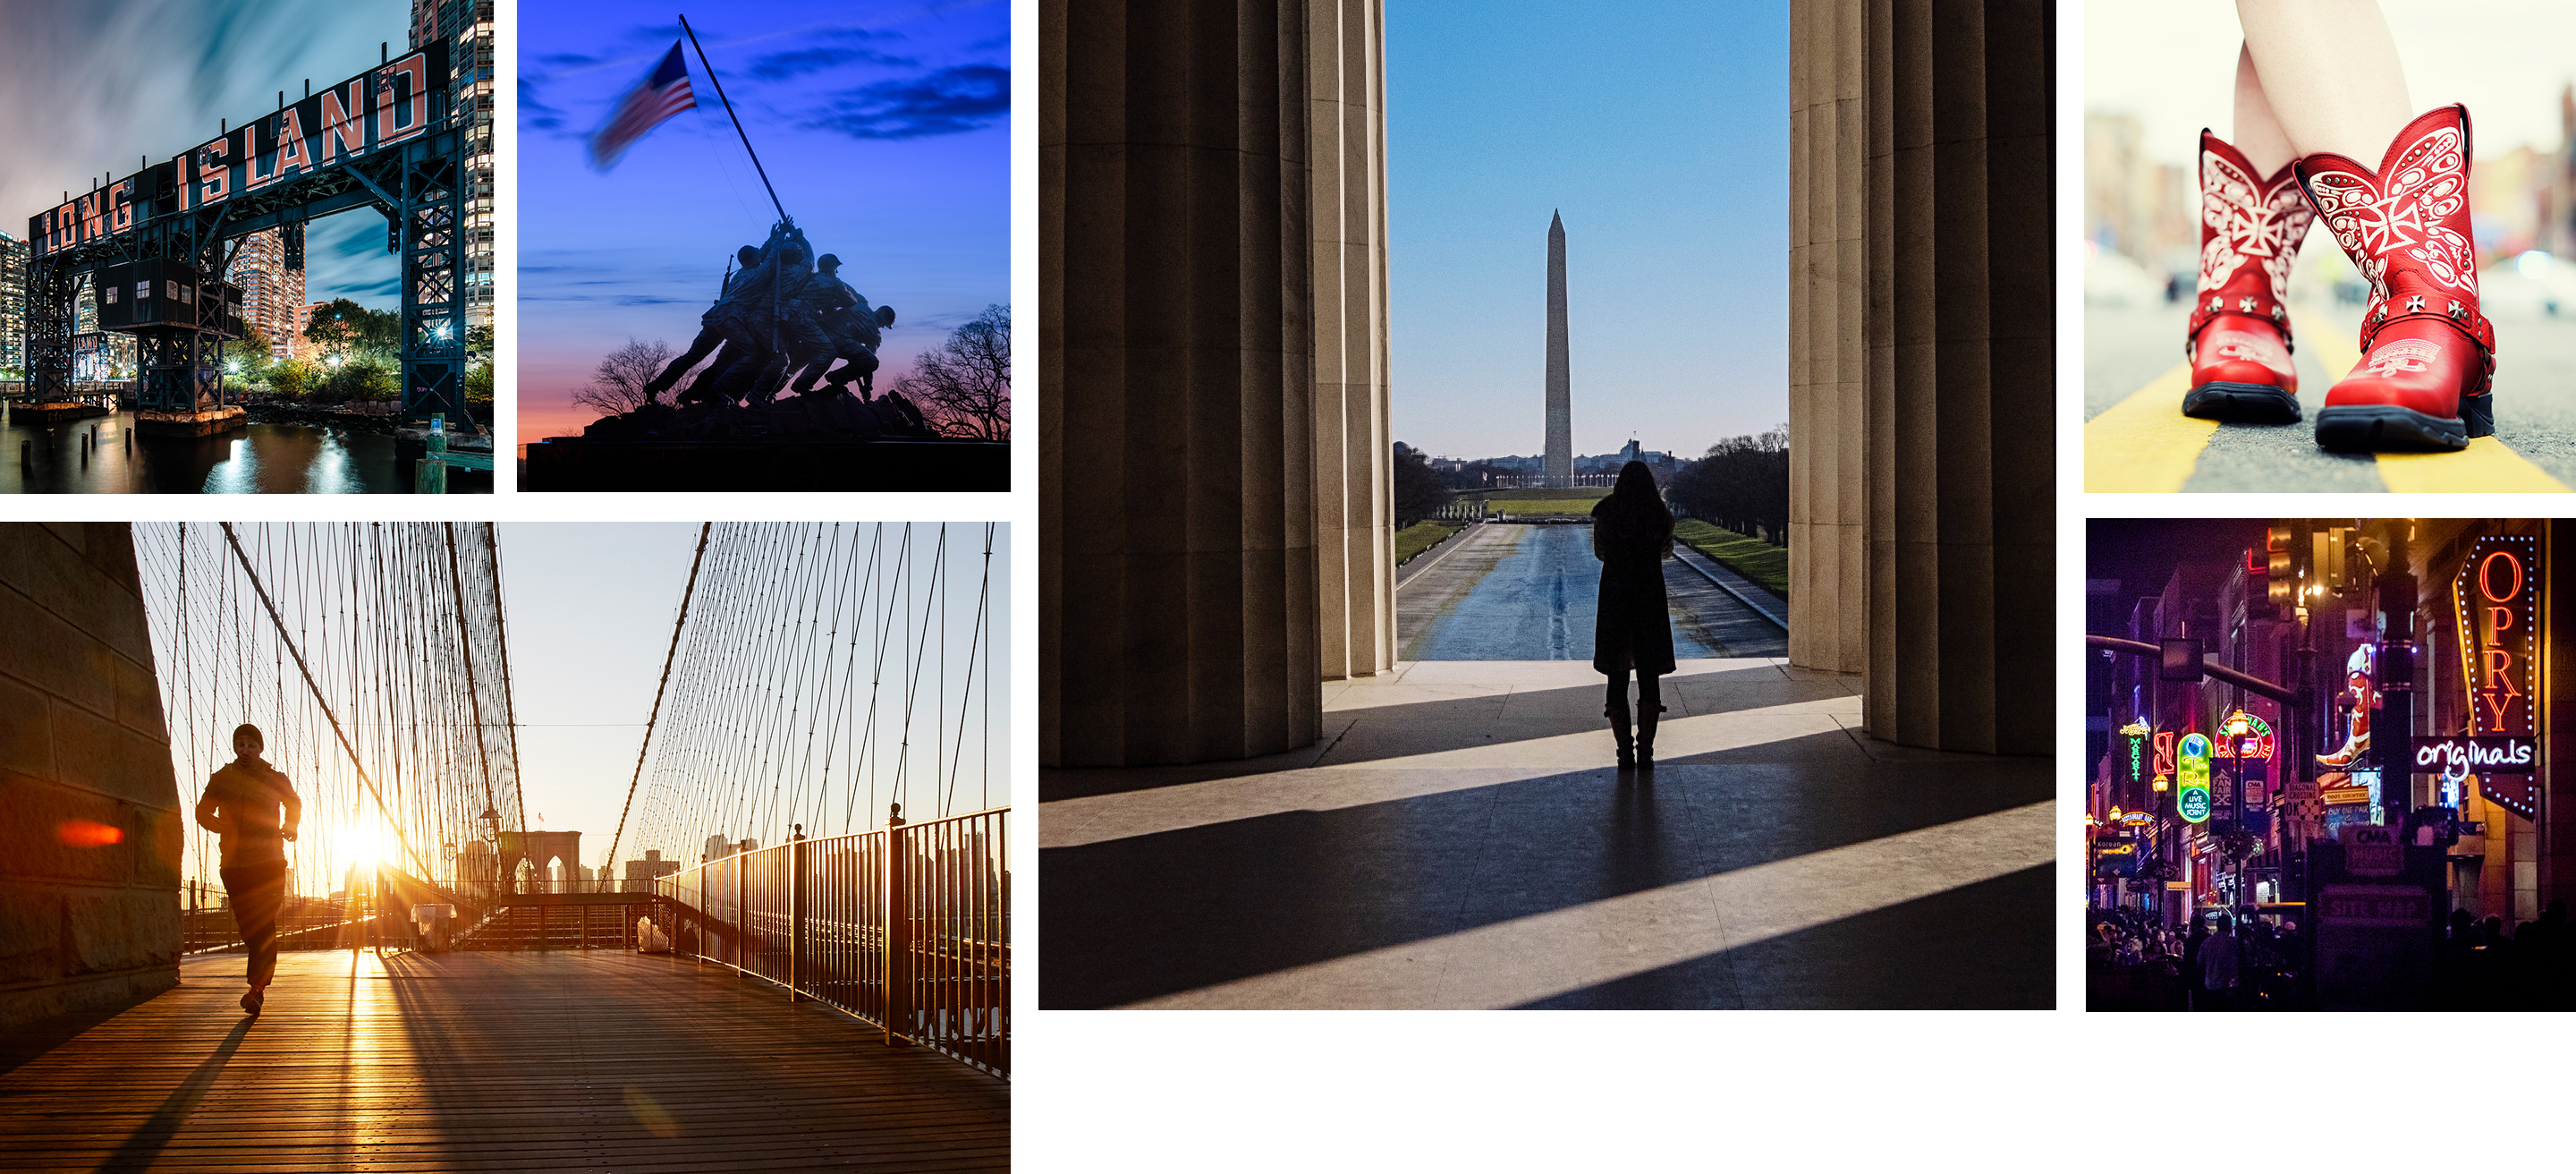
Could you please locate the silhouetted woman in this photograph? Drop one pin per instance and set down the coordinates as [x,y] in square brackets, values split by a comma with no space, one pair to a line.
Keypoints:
[1632,535]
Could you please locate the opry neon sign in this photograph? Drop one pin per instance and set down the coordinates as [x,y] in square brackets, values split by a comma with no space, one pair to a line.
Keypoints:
[384,106]
[2497,599]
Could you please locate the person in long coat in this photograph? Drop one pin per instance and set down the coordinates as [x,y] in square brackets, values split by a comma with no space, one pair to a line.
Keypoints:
[1632,535]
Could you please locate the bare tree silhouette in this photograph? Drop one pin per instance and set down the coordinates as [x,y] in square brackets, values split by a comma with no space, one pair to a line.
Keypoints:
[964,386]
[617,386]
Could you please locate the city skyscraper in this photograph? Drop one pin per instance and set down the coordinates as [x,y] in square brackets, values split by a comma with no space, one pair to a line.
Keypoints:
[13,306]
[470,22]
[1560,395]
[272,294]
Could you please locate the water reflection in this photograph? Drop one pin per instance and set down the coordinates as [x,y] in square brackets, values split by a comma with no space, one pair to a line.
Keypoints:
[104,454]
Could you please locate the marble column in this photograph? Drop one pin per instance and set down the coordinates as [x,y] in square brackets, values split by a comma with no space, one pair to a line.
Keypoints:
[1354,441]
[1923,459]
[1961,435]
[1176,457]
[1828,352]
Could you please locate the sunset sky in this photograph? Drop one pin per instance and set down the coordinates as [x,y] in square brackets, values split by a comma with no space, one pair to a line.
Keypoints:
[883,126]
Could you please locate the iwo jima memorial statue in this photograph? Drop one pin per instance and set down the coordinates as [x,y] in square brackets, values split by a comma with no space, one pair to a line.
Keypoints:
[783,321]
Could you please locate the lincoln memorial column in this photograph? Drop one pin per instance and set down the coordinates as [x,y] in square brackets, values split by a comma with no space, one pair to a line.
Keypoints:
[1177,557]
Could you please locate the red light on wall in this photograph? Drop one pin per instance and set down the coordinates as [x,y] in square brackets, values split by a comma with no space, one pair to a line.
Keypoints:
[82,833]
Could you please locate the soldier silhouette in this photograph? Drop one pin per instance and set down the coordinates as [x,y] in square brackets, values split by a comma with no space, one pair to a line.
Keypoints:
[851,328]
[709,335]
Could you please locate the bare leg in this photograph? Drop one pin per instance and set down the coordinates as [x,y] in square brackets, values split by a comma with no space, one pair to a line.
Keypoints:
[2257,132]
[2330,75]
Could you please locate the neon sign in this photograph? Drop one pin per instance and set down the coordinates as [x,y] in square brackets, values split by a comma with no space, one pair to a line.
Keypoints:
[2135,734]
[2485,754]
[2248,736]
[2191,797]
[2164,752]
[2497,599]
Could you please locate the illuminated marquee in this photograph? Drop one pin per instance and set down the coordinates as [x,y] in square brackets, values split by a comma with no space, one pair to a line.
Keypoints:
[2191,796]
[2247,737]
[2134,735]
[384,106]
[2496,597]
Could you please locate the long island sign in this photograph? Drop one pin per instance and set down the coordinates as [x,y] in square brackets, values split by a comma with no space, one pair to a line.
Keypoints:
[357,118]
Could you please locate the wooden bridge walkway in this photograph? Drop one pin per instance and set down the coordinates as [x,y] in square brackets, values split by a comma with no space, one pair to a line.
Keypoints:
[557,1060]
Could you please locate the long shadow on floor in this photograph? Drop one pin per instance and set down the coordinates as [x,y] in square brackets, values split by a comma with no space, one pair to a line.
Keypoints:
[1984,946]
[1537,713]
[1134,918]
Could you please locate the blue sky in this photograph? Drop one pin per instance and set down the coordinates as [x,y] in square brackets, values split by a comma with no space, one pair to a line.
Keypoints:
[90,88]
[1661,130]
[884,127]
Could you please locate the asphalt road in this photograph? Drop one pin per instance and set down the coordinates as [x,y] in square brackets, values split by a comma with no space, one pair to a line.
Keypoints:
[2137,440]
[1523,592]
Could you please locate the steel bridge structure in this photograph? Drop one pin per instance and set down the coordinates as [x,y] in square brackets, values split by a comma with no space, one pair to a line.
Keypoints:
[395,138]
[454,991]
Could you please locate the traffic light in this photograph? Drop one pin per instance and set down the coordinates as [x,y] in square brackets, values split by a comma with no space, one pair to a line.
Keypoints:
[2283,579]
[2182,661]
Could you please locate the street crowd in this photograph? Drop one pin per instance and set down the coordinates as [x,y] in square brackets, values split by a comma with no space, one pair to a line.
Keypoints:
[2232,963]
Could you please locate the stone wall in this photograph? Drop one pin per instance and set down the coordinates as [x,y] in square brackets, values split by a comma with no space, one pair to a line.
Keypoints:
[89,847]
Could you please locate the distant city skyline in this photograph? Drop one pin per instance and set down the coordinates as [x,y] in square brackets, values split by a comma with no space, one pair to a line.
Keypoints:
[1660,131]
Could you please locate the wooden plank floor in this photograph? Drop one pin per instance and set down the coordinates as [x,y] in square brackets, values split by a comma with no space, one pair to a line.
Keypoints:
[483,1061]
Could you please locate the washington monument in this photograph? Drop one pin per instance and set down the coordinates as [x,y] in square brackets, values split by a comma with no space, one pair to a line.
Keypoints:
[1560,397]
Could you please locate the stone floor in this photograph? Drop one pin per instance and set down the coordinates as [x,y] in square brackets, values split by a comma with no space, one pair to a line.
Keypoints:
[1458,838]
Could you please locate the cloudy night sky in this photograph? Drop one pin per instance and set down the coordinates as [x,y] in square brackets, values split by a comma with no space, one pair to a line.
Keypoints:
[92,88]
[884,127]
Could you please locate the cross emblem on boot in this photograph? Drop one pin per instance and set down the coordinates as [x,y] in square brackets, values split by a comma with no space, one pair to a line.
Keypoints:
[2246,304]
[2414,303]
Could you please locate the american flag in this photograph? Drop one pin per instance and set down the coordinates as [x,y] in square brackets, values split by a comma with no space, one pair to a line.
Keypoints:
[652,101]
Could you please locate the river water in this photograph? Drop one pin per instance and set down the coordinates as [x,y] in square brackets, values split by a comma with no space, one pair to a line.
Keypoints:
[261,458]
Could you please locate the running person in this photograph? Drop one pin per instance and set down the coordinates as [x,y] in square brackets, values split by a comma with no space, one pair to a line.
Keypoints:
[243,803]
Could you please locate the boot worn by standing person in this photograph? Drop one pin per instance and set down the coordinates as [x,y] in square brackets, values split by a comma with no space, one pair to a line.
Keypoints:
[1618,715]
[2239,344]
[2425,380]
[1649,711]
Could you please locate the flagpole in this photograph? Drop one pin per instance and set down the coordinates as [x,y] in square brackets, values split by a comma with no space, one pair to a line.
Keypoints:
[737,122]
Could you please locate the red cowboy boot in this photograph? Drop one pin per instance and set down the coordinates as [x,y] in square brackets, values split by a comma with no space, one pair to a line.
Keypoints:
[2239,345]
[2428,356]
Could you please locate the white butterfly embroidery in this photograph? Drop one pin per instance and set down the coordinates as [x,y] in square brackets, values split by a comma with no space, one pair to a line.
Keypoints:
[2248,222]
[2404,212]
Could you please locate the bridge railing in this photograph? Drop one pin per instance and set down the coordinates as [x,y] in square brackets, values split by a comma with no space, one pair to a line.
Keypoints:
[906,928]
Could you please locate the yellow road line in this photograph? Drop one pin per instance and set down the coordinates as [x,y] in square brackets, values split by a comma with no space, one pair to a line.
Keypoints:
[2334,347]
[2144,444]
[2488,465]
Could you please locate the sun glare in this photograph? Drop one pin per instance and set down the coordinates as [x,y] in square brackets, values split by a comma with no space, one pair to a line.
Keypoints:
[366,846]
